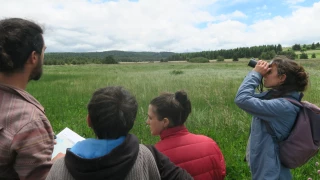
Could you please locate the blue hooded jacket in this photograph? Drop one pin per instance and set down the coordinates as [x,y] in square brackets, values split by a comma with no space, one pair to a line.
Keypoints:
[280,114]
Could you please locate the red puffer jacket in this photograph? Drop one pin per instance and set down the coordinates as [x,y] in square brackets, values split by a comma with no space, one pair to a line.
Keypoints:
[198,154]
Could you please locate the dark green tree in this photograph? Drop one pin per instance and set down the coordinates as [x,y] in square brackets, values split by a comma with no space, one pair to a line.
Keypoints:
[303,56]
[109,60]
[296,47]
[235,58]
[289,54]
[279,48]
[74,62]
[267,55]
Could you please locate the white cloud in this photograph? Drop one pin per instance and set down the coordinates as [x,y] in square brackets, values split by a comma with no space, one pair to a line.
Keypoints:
[235,15]
[300,27]
[152,25]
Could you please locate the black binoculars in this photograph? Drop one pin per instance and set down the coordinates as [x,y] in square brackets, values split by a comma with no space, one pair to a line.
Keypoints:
[252,63]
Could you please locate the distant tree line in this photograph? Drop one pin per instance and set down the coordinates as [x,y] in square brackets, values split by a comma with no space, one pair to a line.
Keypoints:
[313,46]
[267,51]
[105,57]
[304,48]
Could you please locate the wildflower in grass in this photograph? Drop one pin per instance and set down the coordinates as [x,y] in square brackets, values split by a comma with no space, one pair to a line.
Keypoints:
[309,178]
[317,163]
[318,171]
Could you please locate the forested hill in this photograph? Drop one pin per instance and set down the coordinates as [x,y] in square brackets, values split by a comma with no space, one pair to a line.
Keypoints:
[265,52]
[121,56]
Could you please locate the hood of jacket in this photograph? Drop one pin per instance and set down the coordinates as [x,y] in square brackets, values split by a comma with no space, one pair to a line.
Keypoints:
[115,165]
[268,95]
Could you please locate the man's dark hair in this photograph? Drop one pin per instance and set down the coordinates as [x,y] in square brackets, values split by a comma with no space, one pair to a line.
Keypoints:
[18,39]
[112,111]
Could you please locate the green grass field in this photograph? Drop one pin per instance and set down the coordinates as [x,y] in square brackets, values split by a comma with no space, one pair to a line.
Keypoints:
[65,91]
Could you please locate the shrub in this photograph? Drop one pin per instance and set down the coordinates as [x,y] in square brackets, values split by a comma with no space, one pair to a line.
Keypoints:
[268,55]
[235,58]
[163,60]
[198,60]
[176,72]
[220,58]
[289,54]
[303,56]
[109,60]
[313,55]
[74,62]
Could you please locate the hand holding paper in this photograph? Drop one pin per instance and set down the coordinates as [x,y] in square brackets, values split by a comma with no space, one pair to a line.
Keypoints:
[65,139]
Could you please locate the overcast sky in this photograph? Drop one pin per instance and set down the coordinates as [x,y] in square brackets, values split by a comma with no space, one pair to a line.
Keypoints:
[168,25]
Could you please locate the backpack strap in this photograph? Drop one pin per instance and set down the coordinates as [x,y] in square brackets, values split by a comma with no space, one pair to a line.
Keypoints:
[294,102]
[270,131]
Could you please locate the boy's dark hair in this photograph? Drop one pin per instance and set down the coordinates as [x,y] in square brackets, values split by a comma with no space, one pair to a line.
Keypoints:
[112,111]
[176,107]
[18,39]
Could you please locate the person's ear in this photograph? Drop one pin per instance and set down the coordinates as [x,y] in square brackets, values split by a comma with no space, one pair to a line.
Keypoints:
[33,58]
[166,122]
[89,121]
[283,78]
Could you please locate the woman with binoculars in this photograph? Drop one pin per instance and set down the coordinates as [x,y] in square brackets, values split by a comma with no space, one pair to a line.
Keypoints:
[285,79]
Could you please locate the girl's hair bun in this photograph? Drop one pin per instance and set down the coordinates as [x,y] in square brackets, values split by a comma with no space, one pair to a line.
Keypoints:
[181,96]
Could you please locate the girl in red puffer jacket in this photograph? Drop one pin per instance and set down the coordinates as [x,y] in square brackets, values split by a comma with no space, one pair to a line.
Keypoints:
[198,154]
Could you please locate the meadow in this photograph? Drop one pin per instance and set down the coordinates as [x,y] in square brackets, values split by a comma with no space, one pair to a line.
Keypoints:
[64,91]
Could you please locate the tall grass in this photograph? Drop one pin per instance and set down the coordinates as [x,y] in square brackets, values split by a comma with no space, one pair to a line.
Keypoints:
[64,91]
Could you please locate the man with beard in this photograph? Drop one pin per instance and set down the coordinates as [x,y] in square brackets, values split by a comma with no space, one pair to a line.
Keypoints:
[26,136]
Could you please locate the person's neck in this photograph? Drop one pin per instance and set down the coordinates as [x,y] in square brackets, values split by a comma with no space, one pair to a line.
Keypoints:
[17,80]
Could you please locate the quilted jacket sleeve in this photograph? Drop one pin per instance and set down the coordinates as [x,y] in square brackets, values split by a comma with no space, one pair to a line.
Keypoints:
[167,170]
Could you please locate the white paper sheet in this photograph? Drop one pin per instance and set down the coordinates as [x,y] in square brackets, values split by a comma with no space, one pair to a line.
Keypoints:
[65,139]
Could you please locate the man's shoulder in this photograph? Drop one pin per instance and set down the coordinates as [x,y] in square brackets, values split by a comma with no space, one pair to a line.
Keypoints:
[19,96]
[15,104]
[16,112]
